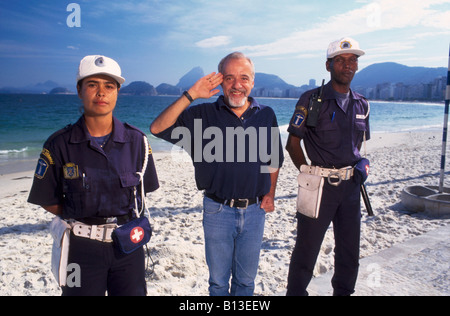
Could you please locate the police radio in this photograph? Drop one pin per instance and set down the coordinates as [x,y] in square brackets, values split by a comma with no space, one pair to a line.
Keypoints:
[315,105]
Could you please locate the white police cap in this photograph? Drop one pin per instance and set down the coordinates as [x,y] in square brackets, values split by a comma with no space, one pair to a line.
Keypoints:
[99,65]
[346,45]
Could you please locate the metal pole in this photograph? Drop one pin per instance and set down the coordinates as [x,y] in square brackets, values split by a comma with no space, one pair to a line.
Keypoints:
[444,138]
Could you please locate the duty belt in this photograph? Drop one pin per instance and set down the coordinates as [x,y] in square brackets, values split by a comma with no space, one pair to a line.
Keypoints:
[98,228]
[343,174]
[100,233]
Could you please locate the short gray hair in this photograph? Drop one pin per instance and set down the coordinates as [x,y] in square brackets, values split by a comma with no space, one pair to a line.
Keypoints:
[236,55]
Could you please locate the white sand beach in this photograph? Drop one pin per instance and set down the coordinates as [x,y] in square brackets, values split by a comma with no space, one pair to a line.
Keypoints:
[177,246]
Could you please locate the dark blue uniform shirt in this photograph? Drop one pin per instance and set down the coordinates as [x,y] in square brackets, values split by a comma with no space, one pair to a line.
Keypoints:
[90,181]
[334,142]
[226,165]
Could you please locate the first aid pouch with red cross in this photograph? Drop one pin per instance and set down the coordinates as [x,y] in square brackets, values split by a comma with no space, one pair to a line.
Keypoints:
[133,235]
[138,232]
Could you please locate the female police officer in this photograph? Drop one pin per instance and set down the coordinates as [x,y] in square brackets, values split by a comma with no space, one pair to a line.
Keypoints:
[88,173]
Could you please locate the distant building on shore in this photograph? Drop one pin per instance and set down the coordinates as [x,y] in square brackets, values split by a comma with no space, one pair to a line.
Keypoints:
[433,91]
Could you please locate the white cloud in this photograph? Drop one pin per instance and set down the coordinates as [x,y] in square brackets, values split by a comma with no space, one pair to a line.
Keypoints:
[215,41]
[316,38]
[391,47]
[410,13]
[377,16]
[440,20]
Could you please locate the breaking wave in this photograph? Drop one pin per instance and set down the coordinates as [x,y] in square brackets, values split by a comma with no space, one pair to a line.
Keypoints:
[13,151]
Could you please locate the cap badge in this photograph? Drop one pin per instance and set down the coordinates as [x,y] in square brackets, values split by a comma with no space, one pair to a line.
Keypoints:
[346,45]
[100,62]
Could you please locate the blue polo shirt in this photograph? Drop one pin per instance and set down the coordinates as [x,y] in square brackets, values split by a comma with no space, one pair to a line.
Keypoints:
[334,142]
[88,180]
[229,153]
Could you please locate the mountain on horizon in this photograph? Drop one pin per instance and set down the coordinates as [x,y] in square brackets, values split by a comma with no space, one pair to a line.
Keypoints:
[263,80]
[369,77]
[39,88]
[381,73]
[139,88]
[189,79]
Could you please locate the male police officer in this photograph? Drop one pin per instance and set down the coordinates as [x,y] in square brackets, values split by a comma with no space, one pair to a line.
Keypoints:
[88,174]
[332,144]
[237,192]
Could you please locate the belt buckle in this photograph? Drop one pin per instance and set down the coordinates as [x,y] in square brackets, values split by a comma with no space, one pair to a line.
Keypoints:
[247,202]
[106,229]
[111,220]
[348,173]
[335,174]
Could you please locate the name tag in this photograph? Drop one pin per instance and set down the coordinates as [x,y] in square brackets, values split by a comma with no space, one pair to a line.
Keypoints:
[360,117]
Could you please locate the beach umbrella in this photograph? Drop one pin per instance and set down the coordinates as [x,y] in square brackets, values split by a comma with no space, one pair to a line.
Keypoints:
[444,140]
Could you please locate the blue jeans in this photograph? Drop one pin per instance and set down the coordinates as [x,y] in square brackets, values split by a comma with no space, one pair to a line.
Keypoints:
[233,239]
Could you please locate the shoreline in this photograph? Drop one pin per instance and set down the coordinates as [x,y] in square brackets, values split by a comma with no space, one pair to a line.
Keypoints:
[177,246]
[18,165]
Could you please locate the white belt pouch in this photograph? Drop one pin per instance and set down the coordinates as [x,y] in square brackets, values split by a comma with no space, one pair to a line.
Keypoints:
[60,231]
[310,188]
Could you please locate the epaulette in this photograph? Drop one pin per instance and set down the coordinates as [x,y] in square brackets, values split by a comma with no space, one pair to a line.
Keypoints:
[150,150]
[134,128]
[59,133]
[367,101]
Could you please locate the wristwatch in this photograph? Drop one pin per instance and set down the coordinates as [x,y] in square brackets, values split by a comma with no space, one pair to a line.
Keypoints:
[188,96]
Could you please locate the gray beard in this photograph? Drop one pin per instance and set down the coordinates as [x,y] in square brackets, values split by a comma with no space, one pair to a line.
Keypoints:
[237,105]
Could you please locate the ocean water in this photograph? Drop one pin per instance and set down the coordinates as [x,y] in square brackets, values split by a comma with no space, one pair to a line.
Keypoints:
[26,121]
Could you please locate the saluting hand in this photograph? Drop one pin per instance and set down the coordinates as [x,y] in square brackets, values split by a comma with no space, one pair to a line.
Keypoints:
[204,88]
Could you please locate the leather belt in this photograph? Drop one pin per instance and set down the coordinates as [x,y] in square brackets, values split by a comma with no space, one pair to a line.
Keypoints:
[343,174]
[100,233]
[241,204]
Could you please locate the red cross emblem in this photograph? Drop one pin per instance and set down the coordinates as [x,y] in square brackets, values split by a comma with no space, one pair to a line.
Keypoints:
[137,235]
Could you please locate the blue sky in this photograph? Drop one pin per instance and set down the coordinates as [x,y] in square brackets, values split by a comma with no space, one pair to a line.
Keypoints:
[158,41]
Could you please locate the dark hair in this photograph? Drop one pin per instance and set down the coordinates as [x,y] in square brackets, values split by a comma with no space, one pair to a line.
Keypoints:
[80,84]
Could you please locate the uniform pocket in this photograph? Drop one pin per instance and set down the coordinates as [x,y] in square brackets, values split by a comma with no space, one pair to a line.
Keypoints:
[329,133]
[360,126]
[360,129]
[128,182]
[75,185]
[75,197]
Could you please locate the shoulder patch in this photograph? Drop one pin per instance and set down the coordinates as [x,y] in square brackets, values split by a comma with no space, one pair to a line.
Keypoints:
[46,153]
[150,150]
[41,169]
[299,117]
